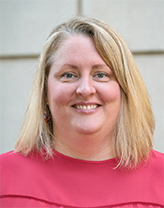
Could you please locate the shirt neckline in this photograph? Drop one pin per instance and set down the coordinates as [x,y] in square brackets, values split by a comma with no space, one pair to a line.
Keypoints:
[77,160]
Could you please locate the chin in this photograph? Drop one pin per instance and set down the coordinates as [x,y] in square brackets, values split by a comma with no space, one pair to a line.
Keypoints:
[87,130]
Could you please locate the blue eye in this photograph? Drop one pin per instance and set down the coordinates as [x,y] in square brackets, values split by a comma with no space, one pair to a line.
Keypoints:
[68,75]
[101,75]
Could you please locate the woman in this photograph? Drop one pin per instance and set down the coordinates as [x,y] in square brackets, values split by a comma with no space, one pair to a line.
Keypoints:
[86,140]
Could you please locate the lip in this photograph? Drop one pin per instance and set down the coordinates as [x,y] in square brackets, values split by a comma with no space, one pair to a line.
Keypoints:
[86,107]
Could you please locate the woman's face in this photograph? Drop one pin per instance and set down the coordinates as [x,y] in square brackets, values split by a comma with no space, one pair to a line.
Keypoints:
[83,95]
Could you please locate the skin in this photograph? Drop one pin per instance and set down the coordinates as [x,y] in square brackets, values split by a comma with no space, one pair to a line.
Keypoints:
[84,99]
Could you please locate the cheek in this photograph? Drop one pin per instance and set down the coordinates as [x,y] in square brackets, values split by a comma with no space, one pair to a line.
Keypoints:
[111,93]
[59,94]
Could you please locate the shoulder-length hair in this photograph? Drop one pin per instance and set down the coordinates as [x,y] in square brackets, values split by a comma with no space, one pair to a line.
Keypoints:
[132,141]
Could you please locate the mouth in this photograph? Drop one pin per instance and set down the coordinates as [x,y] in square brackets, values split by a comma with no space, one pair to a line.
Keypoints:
[86,107]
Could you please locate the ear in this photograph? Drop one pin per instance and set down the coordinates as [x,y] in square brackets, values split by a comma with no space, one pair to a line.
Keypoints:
[46,101]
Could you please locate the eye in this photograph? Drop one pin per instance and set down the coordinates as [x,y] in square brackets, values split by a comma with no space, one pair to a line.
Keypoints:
[101,76]
[68,76]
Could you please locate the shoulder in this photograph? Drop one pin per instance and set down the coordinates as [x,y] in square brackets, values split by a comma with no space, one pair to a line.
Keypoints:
[9,155]
[156,160]
[157,155]
[12,164]
[155,165]
[21,171]
[15,156]
[12,159]
[154,172]
[8,158]
[15,164]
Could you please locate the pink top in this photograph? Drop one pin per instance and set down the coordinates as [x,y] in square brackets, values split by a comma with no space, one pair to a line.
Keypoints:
[67,182]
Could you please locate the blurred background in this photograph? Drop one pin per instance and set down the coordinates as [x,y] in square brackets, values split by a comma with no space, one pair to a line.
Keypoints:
[24,26]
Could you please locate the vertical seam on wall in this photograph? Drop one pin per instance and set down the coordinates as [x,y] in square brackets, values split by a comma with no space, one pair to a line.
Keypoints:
[79,7]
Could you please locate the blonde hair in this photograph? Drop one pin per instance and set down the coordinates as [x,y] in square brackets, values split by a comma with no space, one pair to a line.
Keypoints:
[134,128]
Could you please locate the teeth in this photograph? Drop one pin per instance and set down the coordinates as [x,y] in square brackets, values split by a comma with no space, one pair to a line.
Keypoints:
[86,107]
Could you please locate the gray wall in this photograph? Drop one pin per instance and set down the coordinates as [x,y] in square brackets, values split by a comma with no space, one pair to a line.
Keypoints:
[24,25]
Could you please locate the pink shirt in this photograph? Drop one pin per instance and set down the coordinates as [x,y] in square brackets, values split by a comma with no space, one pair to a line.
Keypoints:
[67,182]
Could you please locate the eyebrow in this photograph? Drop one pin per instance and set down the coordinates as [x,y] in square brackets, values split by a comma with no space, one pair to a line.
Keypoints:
[99,65]
[94,66]
[70,65]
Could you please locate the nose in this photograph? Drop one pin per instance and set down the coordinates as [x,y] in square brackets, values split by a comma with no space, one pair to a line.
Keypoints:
[86,87]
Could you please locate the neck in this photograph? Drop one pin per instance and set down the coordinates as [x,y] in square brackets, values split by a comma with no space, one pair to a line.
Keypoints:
[86,147]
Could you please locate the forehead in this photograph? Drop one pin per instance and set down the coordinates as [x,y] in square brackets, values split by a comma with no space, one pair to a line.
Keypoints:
[76,48]
[76,43]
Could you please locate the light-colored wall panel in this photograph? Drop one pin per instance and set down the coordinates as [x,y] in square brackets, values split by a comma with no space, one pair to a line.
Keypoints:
[152,70]
[25,24]
[16,78]
[140,22]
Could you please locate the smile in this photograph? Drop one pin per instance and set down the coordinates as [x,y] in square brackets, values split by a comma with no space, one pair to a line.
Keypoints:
[85,107]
